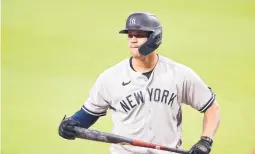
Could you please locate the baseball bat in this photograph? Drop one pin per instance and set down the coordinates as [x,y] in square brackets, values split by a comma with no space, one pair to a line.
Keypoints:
[95,135]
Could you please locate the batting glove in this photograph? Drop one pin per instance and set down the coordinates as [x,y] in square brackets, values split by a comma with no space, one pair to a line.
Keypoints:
[203,146]
[66,128]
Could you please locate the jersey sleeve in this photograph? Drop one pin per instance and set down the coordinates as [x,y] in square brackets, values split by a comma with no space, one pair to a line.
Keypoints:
[195,92]
[97,102]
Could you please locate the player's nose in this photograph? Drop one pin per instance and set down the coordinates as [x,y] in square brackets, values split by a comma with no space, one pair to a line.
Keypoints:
[133,39]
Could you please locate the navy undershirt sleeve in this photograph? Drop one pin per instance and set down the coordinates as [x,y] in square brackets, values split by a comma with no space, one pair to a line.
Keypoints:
[84,118]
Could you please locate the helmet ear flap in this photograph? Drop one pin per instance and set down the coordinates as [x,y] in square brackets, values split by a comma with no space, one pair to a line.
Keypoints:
[158,38]
[153,42]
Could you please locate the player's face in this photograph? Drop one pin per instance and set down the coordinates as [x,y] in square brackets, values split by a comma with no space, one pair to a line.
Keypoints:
[135,39]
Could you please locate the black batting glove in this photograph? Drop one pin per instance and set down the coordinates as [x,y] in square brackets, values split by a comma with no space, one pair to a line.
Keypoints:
[66,128]
[203,146]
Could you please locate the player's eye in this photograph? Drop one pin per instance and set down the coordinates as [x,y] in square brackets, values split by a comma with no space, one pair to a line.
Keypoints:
[130,36]
[139,36]
[136,35]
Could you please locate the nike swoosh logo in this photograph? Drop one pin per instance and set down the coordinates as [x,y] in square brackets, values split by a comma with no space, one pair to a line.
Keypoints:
[124,84]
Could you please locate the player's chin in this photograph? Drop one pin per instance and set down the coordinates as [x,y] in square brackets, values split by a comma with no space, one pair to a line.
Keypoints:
[134,52]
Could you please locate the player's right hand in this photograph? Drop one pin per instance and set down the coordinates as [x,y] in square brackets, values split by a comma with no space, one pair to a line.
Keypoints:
[66,128]
[203,146]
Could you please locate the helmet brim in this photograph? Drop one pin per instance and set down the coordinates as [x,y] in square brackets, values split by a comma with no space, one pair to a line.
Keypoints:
[125,31]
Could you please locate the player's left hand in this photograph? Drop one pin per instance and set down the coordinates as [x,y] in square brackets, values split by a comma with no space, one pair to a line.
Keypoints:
[66,128]
[203,146]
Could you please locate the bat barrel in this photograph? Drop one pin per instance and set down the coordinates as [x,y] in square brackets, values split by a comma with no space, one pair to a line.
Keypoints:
[101,136]
[116,139]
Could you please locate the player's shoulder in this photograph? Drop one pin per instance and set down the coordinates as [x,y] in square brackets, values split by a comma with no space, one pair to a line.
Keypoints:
[182,71]
[173,64]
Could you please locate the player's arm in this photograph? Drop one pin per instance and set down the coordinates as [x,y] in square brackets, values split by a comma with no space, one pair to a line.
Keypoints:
[94,107]
[211,120]
[81,118]
[199,96]
[210,125]
[84,118]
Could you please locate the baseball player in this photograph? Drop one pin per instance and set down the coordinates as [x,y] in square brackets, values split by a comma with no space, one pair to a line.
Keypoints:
[144,95]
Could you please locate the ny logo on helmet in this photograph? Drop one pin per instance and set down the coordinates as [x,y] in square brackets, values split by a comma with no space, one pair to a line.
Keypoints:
[132,21]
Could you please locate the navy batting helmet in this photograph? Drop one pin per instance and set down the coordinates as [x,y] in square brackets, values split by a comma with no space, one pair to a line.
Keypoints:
[146,22]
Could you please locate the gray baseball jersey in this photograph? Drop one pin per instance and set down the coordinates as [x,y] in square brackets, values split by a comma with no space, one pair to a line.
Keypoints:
[148,109]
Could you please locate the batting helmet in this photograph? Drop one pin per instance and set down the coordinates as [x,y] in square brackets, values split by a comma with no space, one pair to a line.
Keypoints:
[146,22]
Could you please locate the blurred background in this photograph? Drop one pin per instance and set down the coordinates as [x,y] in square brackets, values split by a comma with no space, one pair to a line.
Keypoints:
[53,50]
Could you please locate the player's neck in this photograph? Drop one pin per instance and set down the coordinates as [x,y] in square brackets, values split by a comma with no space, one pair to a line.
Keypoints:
[146,63]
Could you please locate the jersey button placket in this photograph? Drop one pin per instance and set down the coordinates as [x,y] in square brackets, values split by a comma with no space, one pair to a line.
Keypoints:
[149,116]
[149,106]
